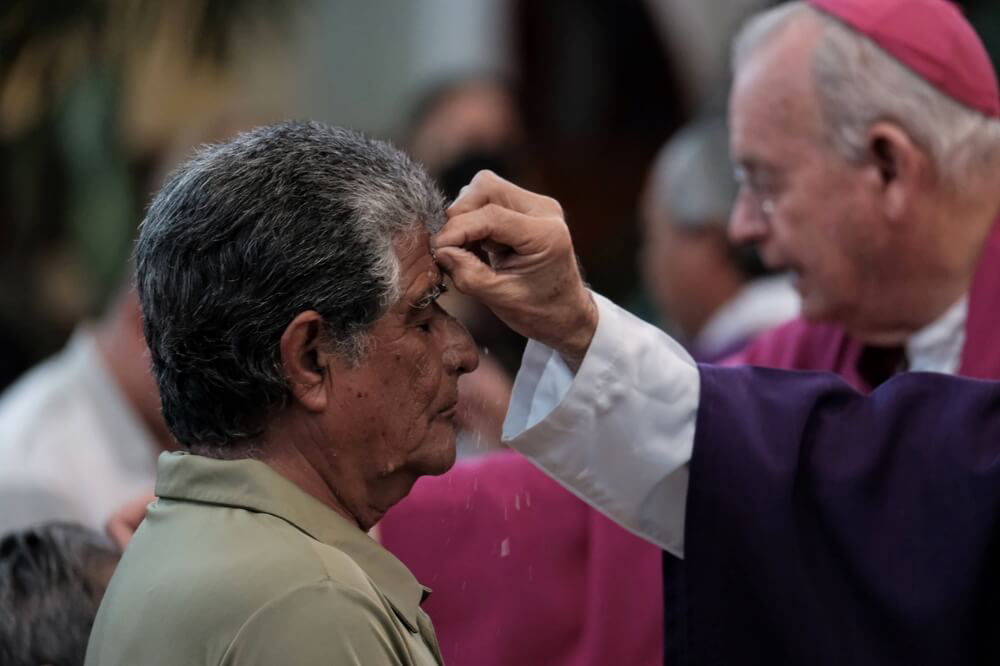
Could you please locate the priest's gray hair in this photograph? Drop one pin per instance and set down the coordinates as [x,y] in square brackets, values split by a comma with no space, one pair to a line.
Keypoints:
[859,84]
[692,176]
[248,234]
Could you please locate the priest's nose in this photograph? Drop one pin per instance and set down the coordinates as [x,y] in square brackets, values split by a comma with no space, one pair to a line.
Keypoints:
[749,221]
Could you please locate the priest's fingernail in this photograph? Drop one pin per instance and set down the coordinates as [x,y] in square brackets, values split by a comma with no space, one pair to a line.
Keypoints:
[444,260]
[461,193]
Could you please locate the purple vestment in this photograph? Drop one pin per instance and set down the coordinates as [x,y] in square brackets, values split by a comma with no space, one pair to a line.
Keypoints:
[801,345]
[828,527]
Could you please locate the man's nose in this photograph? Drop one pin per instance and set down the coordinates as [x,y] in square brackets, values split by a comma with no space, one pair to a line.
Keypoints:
[747,222]
[461,355]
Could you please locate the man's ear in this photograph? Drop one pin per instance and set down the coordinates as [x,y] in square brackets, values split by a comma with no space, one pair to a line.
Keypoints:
[901,166]
[304,360]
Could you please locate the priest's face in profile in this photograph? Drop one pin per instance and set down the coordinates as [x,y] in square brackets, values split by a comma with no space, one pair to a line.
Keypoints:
[810,209]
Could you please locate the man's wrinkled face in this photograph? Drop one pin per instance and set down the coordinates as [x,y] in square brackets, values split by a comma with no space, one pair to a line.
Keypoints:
[396,409]
[809,210]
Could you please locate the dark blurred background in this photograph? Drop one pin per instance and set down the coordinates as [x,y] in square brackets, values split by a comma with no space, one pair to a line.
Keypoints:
[99,98]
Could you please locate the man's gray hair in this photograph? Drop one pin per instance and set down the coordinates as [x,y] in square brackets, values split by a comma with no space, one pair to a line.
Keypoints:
[692,176]
[286,218]
[859,84]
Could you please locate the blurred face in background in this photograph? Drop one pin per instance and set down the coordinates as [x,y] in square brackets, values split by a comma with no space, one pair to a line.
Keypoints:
[477,116]
[810,210]
[687,272]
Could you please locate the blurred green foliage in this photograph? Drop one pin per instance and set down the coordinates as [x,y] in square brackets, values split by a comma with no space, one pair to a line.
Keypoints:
[70,193]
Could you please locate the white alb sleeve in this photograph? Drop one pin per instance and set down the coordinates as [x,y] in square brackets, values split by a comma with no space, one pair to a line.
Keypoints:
[619,434]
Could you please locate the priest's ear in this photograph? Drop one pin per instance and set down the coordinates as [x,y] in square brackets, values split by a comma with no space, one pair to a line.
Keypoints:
[899,164]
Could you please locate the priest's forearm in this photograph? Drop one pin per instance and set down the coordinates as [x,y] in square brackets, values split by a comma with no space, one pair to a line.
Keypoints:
[619,433]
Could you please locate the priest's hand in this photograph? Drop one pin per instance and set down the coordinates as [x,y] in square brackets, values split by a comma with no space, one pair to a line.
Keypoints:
[511,249]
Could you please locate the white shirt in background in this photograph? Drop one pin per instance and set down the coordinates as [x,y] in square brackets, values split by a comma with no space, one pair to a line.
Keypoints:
[71,446]
[760,305]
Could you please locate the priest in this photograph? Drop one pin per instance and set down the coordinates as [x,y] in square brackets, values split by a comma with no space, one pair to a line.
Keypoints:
[817,526]
[904,90]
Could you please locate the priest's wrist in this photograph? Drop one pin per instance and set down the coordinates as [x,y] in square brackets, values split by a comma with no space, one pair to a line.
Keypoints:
[573,348]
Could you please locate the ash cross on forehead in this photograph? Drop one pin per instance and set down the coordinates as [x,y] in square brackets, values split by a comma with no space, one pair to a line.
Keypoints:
[426,287]
[430,295]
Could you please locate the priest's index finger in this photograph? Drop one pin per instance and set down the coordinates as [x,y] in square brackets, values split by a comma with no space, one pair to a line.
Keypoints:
[491,222]
[487,187]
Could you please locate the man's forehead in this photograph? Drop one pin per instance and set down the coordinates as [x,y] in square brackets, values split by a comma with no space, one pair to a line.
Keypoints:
[419,272]
[427,280]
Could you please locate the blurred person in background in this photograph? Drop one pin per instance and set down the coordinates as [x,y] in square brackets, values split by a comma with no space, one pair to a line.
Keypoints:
[524,572]
[79,434]
[465,124]
[52,579]
[289,304]
[718,295]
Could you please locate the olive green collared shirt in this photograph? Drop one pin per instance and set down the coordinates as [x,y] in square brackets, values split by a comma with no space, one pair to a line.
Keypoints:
[234,564]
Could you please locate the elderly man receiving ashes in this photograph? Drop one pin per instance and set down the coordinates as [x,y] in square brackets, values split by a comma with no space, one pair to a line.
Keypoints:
[288,296]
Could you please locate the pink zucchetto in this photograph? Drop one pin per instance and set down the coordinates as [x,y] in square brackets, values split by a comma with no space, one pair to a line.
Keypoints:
[931,38]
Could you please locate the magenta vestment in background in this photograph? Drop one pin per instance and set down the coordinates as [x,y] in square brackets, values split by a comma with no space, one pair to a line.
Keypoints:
[524,573]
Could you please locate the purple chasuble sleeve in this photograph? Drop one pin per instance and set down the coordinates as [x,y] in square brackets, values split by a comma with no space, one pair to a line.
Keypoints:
[827,527]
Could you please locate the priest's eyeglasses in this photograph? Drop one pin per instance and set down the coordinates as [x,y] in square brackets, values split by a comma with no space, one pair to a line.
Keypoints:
[760,190]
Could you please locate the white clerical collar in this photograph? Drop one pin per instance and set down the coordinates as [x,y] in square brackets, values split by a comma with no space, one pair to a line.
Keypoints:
[938,346]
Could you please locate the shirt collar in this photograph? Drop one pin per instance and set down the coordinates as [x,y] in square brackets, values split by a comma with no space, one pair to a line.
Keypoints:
[938,346]
[252,485]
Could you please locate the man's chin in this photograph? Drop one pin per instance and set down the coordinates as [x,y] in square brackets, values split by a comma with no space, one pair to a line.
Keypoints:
[439,457]
[429,461]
